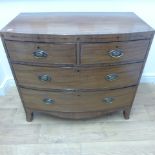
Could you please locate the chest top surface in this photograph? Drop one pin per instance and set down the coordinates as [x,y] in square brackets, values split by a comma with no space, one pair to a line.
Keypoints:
[77,23]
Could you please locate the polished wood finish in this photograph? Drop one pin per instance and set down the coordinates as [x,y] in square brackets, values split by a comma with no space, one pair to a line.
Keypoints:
[57,53]
[99,52]
[126,113]
[79,78]
[78,101]
[100,23]
[73,27]
[29,114]
[77,61]
[78,38]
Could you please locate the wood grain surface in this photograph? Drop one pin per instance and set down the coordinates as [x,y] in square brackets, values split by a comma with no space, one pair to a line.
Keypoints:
[99,52]
[78,101]
[57,53]
[77,47]
[63,23]
[81,78]
[77,26]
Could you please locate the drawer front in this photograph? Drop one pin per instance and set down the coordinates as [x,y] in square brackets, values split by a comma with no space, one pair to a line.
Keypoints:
[42,52]
[113,52]
[84,78]
[78,101]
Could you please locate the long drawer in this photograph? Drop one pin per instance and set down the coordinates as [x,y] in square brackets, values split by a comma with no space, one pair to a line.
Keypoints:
[84,78]
[92,53]
[78,101]
[34,52]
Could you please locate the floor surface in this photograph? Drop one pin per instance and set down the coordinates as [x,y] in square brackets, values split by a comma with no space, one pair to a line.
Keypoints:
[107,135]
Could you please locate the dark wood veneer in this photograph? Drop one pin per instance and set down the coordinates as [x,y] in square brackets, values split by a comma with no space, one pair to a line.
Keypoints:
[78,101]
[57,53]
[99,52]
[77,45]
[79,78]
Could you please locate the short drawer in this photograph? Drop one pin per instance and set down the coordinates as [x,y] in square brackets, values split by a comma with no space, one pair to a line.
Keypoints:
[78,101]
[41,52]
[113,52]
[82,78]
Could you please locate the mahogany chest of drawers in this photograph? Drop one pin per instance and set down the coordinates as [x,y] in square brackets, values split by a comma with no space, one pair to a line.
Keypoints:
[77,65]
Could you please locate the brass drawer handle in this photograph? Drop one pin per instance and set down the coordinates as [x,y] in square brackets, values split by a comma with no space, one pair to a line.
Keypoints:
[116,53]
[48,101]
[111,77]
[40,54]
[44,77]
[108,100]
